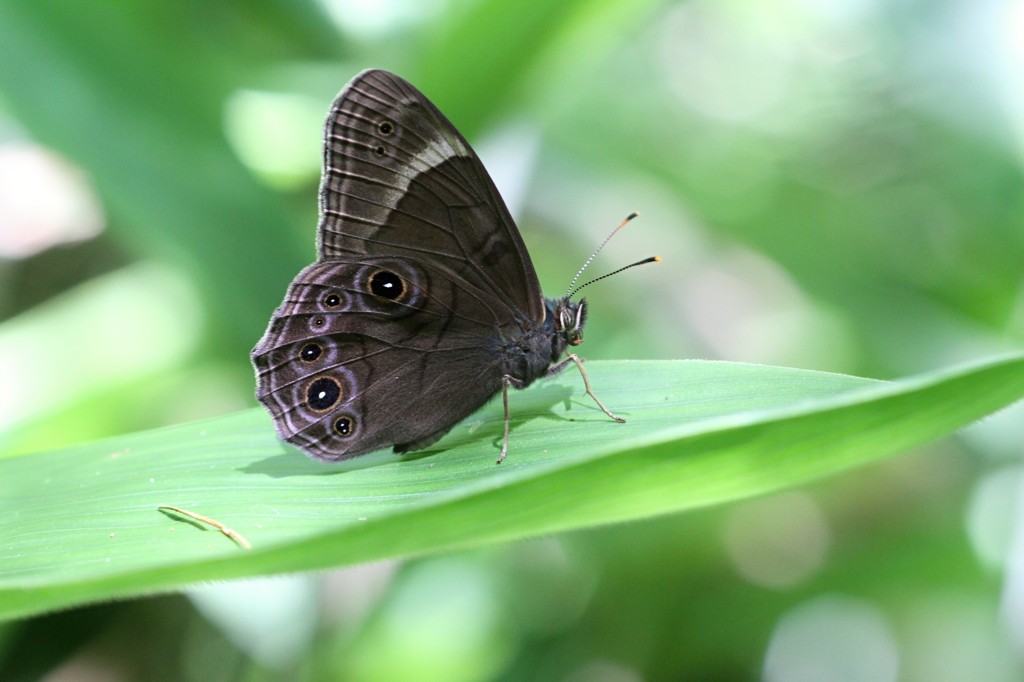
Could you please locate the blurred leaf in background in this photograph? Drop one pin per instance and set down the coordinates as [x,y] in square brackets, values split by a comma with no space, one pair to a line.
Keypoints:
[832,185]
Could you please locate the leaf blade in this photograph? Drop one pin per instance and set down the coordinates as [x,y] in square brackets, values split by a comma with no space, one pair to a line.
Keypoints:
[83,523]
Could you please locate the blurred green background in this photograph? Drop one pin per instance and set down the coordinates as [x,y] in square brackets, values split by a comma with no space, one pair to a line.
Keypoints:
[833,185]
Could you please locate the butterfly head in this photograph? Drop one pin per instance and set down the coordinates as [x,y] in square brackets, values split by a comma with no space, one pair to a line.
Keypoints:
[570,316]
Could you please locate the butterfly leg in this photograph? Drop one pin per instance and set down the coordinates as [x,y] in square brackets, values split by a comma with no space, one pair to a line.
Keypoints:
[505,382]
[572,357]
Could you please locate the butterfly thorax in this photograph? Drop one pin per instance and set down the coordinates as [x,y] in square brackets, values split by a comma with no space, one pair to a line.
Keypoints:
[529,352]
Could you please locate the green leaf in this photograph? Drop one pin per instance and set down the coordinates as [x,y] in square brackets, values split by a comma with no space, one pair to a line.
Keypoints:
[82,524]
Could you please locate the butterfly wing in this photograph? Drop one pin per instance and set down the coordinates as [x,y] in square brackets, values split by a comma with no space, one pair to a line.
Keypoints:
[348,366]
[398,179]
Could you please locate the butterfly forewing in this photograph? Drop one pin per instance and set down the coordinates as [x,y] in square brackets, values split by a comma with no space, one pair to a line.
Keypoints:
[399,179]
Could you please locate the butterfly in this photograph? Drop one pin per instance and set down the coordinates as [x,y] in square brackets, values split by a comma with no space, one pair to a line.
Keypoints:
[423,302]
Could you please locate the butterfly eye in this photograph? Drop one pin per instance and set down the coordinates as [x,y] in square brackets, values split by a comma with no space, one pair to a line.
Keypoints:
[386,128]
[332,300]
[387,285]
[323,393]
[344,426]
[310,352]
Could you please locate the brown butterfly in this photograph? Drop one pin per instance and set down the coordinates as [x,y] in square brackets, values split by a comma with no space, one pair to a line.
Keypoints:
[423,302]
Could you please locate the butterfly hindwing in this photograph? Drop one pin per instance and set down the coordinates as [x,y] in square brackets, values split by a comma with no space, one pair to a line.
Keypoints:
[343,346]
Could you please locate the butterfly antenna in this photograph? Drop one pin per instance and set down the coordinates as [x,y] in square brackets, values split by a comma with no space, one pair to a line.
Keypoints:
[570,291]
[652,259]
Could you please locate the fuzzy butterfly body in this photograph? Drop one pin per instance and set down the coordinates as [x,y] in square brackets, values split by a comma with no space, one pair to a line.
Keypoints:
[423,302]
